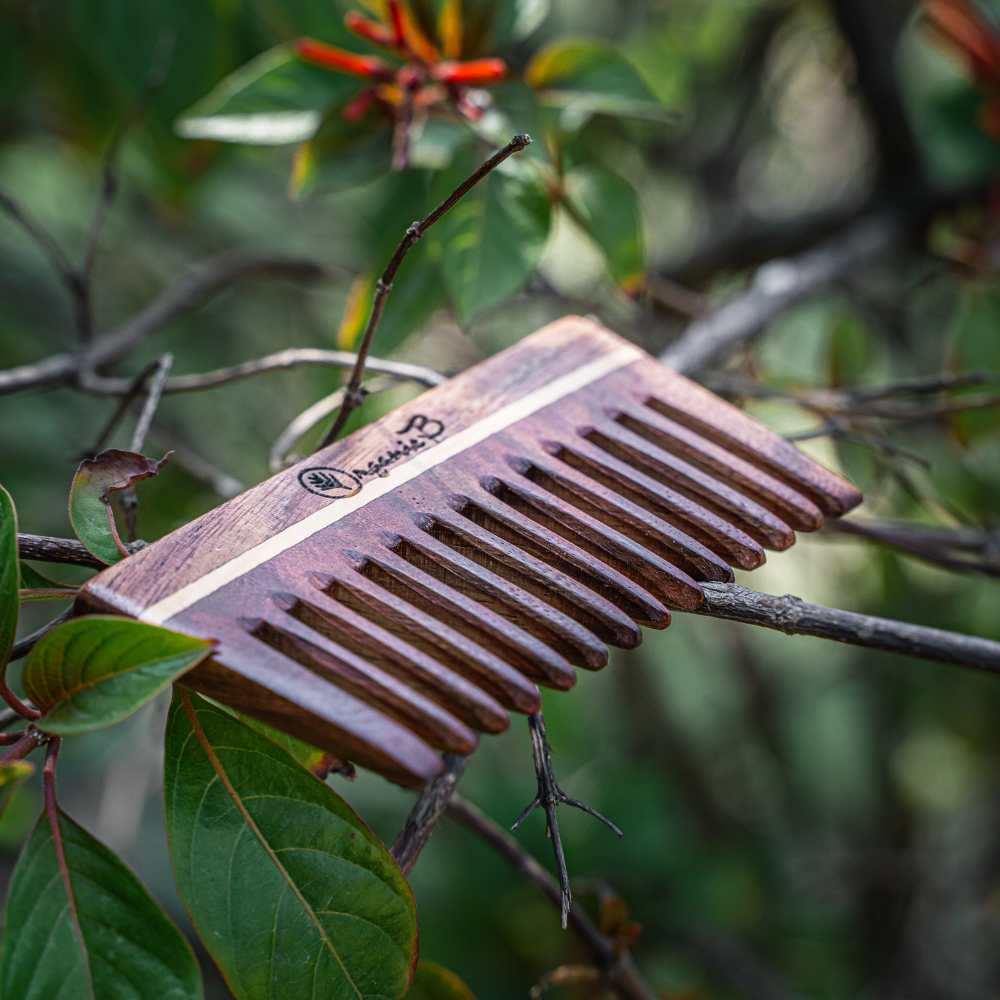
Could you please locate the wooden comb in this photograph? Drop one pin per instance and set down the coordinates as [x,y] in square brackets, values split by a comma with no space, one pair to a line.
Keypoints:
[398,592]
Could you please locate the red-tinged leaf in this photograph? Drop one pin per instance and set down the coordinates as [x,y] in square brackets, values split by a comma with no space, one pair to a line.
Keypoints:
[96,481]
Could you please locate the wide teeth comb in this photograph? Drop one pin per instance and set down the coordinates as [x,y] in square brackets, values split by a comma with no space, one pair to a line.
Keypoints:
[398,593]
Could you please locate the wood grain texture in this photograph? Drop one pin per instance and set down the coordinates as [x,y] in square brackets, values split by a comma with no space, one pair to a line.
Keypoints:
[394,595]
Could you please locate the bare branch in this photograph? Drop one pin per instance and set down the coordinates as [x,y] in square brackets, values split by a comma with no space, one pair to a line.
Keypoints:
[24,646]
[426,812]
[619,970]
[383,286]
[780,284]
[293,357]
[46,548]
[937,546]
[793,616]
[186,294]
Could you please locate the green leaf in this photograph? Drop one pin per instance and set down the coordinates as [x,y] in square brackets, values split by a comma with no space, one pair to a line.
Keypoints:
[490,242]
[90,493]
[341,155]
[607,208]
[94,671]
[317,762]
[88,930]
[274,99]
[291,893]
[589,77]
[9,579]
[435,982]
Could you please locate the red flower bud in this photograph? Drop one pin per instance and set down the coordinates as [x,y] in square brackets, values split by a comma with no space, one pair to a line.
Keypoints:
[331,57]
[396,18]
[471,73]
[367,28]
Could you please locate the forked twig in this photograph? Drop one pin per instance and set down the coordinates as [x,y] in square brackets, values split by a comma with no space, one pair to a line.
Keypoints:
[548,798]
[352,394]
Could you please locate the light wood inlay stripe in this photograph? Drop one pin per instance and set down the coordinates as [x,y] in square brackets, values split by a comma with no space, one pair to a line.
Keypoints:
[168,607]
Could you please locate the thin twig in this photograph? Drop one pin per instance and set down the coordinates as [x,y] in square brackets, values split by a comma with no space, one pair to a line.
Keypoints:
[129,499]
[548,798]
[352,396]
[40,235]
[937,546]
[188,293]
[293,357]
[24,646]
[281,451]
[619,969]
[793,616]
[426,812]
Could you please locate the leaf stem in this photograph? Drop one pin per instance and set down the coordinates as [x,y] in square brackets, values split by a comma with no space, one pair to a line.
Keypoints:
[353,395]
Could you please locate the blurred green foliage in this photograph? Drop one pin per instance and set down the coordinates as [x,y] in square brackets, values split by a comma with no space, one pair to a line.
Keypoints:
[822,816]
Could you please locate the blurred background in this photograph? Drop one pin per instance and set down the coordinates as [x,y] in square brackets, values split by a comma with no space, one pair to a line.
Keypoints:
[802,819]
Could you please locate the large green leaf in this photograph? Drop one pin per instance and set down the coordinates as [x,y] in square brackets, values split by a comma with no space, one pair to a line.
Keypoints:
[274,99]
[94,483]
[489,243]
[95,671]
[291,893]
[587,76]
[9,579]
[316,761]
[607,207]
[435,982]
[89,931]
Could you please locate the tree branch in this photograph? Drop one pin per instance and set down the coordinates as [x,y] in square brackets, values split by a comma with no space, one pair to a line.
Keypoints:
[293,357]
[47,548]
[427,810]
[618,969]
[186,294]
[352,396]
[793,616]
[780,284]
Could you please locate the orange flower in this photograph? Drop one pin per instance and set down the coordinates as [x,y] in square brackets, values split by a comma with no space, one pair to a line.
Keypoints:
[423,79]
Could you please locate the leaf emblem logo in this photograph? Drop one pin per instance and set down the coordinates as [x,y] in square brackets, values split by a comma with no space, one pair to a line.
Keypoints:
[334,484]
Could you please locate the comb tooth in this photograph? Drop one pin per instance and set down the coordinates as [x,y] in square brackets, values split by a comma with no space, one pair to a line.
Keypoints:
[275,689]
[672,582]
[563,555]
[696,408]
[388,652]
[539,615]
[534,658]
[433,637]
[351,673]
[593,611]
[601,493]
[673,485]
[797,509]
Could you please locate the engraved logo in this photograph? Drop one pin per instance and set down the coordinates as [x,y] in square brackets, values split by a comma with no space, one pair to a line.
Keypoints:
[419,432]
[331,483]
